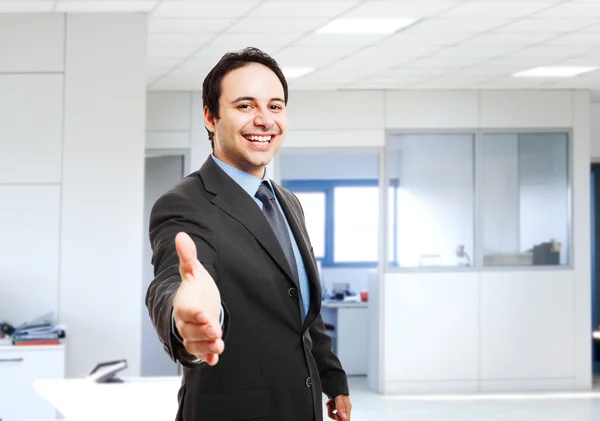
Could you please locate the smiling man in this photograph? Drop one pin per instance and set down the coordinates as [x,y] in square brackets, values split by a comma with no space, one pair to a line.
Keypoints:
[236,295]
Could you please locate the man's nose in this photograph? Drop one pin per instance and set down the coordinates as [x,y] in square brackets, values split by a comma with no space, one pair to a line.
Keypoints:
[264,118]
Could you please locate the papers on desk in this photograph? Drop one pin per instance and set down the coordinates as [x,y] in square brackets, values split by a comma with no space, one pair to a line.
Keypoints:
[41,331]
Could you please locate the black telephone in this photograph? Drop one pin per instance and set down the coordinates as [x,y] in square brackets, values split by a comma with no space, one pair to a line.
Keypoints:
[105,372]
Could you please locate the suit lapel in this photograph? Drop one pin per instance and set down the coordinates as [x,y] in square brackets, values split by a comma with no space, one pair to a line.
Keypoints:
[296,220]
[234,201]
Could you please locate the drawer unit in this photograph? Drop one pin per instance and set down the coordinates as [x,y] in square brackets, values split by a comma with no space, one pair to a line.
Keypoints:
[19,367]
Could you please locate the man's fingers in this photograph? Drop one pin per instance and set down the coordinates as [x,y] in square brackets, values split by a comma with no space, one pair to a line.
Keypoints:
[192,316]
[205,350]
[212,359]
[330,413]
[188,259]
[342,404]
[193,332]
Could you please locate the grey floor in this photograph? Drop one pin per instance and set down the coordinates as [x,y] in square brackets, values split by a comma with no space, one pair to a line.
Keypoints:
[576,406]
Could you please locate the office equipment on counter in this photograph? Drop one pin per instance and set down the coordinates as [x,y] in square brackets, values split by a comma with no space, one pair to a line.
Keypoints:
[106,372]
[41,331]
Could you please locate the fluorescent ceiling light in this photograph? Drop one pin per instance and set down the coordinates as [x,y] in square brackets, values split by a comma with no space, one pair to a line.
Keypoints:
[296,72]
[555,71]
[366,25]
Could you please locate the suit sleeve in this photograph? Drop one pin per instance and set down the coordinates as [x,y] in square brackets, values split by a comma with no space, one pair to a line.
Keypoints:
[333,377]
[173,213]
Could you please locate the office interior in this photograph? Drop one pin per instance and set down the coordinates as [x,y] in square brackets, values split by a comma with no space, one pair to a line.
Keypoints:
[458,198]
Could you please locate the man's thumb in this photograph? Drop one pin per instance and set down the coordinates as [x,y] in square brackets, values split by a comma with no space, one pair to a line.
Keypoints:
[186,250]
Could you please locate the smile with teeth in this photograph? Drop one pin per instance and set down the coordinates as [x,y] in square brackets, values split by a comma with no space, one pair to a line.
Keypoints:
[259,139]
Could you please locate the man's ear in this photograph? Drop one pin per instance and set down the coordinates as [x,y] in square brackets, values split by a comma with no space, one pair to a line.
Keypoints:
[209,120]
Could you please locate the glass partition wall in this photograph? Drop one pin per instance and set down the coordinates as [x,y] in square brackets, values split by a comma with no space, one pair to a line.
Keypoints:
[478,199]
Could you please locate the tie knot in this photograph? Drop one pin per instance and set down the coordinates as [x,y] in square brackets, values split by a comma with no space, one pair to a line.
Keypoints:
[264,193]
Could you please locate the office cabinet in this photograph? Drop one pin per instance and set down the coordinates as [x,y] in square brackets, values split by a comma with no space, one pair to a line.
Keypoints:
[19,367]
[350,335]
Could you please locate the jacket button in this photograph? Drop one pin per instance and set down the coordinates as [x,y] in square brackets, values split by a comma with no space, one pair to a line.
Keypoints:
[308,382]
[293,292]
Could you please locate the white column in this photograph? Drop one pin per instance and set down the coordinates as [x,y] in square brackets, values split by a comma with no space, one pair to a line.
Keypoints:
[580,217]
[102,199]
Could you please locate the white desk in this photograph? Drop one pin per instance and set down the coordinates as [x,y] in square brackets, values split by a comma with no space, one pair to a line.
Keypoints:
[19,367]
[140,398]
[350,337]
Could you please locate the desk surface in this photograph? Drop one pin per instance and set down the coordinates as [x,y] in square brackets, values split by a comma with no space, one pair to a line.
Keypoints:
[140,398]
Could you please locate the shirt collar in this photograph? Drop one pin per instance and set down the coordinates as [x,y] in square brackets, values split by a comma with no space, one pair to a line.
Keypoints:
[247,181]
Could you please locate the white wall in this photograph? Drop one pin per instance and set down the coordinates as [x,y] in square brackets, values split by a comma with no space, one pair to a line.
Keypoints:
[71,179]
[425,317]
[595,123]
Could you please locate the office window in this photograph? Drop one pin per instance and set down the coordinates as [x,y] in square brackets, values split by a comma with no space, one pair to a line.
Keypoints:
[433,199]
[313,204]
[525,199]
[355,224]
[344,219]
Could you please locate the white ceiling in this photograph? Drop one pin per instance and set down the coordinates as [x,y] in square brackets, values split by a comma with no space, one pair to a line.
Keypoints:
[458,44]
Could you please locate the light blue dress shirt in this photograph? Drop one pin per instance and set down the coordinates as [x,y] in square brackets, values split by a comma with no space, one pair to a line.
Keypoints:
[250,184]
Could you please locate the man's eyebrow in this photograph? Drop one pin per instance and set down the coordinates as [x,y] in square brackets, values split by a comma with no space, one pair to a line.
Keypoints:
[243,98]
[251,98]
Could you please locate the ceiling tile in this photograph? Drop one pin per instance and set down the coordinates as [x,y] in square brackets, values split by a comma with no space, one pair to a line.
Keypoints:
[556,52]
[357,65]
[572,10]
[196,39]
[253,40]
[316,56]
[577,39]
[493,39]
[498,9]
[204,9]
[106,6]
[546,25]
[206,57]
[395,52]
[173,51]
[340,39]
[276,26]
[403,71]
[512,83]
[410,38]
[594,29]
[409,9]
[438,61]
[162,62]
[299,9]
[194,73]
[517,62]
[26,6]
[180,25]
[481,51]
[586,60]
[437,26]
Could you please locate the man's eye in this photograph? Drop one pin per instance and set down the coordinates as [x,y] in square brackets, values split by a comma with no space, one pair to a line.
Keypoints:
[244,106]
[276,107]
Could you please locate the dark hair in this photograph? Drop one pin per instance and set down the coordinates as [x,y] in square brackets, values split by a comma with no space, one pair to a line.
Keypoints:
[212,85]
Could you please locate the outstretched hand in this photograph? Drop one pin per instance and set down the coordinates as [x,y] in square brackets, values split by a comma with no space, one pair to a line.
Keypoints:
[197,305]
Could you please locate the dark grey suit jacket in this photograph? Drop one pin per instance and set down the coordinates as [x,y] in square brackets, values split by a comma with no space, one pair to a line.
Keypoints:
[275,366]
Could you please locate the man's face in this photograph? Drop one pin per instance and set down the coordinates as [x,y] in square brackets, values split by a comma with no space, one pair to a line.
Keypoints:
[253,119]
